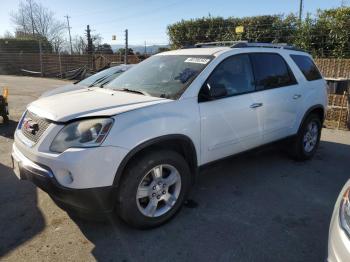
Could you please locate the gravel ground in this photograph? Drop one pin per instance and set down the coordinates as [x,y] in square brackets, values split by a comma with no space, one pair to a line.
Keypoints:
[261,206]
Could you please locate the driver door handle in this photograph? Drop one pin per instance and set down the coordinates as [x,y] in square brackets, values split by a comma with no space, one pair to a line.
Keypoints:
[255,105]
[296,96]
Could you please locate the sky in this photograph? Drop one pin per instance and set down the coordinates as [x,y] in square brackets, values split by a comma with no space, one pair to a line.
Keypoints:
[147,20]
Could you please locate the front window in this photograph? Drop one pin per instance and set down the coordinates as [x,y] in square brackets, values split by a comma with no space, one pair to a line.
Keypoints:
[165,76]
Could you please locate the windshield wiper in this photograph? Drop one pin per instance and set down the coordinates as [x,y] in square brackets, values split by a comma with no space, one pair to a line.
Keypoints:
[97,81]
[132,91]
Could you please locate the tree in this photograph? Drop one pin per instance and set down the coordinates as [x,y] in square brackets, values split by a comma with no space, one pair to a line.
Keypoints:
[121,51]
[323,34]
[35,21]
[8,35]
[104,49]
[163,49]
[79,45]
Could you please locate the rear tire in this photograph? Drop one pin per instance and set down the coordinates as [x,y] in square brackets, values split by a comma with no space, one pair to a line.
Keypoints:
[153,188]
[305,144]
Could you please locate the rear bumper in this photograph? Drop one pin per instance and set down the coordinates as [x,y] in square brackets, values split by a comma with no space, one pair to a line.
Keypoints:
[88,200]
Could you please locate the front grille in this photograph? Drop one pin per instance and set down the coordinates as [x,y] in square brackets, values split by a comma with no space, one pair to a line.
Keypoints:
[40,124]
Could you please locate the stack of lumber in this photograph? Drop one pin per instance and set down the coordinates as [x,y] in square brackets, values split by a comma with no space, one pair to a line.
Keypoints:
[338,112]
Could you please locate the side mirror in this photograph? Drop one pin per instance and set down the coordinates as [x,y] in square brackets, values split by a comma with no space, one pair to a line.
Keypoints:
[211,92]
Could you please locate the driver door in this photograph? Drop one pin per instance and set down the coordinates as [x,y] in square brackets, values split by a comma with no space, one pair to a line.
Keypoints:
[230,114]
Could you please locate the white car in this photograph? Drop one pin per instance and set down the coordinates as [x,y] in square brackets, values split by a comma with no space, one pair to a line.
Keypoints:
[99,79]
[135,147]
[339,231]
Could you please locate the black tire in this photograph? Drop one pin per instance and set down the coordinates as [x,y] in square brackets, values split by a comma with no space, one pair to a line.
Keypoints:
[297,149]
[127,207]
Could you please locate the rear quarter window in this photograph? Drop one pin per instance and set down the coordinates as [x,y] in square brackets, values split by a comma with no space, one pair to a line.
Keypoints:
[307,67]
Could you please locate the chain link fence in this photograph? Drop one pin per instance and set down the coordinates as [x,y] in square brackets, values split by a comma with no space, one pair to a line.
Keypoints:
[36,59]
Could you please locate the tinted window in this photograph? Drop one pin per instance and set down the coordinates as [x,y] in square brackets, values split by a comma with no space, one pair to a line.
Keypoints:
[271,71]
[307,66]
[234,74]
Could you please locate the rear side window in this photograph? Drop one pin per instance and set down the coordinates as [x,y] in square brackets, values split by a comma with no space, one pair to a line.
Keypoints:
[307,66]
[271,71]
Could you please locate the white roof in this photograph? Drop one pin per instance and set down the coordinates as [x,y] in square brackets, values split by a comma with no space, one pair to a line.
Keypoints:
[216,51]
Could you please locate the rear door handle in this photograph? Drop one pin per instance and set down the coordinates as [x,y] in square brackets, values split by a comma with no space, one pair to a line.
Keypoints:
[255,105]
[296,96]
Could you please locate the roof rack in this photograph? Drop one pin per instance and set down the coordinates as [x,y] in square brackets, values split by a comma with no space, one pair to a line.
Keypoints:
[219,43]
[265,45]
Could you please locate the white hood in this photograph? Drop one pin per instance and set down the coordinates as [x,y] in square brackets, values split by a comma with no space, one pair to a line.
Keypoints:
[90,102]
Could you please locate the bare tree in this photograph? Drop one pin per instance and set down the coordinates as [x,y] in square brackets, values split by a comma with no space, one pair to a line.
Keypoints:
[79,44]
[32,18]
[8,34]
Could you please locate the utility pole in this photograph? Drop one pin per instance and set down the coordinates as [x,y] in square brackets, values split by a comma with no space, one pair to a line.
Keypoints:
[145,53]
[89,39]
[300,10]
[89,47]
[126,47]
[70,37]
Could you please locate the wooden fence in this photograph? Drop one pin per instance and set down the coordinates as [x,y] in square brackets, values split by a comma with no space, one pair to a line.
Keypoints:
[334,68]
[54,64]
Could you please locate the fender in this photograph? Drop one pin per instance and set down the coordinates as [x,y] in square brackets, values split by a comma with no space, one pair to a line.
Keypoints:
[155,141]
[318,106]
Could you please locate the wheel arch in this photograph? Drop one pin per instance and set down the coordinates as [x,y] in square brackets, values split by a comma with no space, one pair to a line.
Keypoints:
[316,109]
[177,142]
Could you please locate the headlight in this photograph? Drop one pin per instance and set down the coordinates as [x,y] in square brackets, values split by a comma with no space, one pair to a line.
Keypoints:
[344,212]
[84,133]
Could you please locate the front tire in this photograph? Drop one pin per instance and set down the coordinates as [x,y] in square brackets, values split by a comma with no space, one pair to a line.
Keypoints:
[305,144]
[153,188]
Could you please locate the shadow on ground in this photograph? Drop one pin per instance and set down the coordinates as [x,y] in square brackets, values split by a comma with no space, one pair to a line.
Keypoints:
[20,218]
[7,130]
[257,207]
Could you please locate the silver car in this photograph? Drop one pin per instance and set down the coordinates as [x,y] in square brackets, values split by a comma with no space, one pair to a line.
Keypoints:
[339,231]
[99,79]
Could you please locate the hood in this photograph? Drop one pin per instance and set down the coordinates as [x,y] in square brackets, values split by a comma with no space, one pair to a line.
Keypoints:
[62,89]
[89,102]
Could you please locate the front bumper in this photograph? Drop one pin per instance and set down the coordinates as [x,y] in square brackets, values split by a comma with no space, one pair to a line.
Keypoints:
[338,241]
[87,200]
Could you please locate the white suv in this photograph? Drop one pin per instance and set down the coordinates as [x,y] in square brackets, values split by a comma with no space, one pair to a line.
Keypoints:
[135,146]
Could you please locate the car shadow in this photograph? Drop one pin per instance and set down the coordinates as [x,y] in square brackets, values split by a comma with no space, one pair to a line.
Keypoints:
[20,217]
[7,130]
[256,207]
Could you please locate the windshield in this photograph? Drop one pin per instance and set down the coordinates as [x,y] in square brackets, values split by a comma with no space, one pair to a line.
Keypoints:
[162,75]
[103,76]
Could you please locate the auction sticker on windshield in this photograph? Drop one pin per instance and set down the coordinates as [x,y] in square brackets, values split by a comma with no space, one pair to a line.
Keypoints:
[197,60]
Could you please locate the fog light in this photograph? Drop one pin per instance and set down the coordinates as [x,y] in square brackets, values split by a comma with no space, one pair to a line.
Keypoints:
[64,177]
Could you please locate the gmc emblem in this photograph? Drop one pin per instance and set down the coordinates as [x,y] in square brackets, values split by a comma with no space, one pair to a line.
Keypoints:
[30,126]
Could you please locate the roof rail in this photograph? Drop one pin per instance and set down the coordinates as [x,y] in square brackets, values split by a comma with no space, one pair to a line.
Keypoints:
[266,45]
[219,43]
